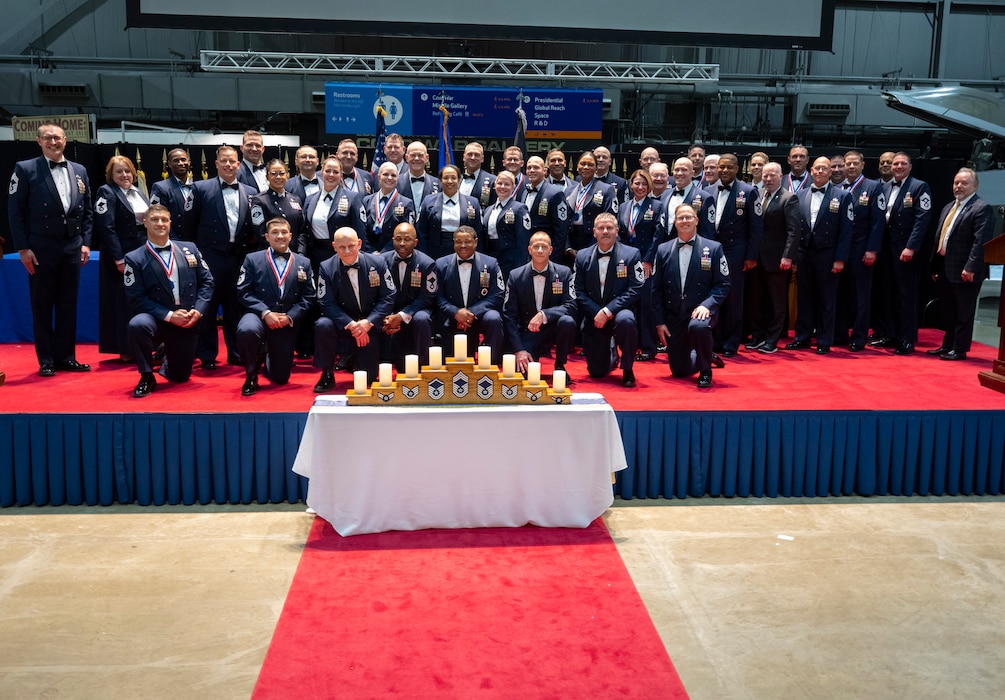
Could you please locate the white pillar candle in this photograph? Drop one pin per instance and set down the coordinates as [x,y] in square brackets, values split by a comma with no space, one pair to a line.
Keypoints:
[484,357]
[534,372]
[411,366]
[509,365]
[435,357]
[359,381]
[460,348]
[558,381]
[384,373]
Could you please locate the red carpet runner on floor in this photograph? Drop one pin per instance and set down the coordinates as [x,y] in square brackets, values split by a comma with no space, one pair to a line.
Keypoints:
[527,613]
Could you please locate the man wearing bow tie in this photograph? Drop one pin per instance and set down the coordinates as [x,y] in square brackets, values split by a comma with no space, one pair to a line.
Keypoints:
[355,293]
[470,294]
[175,192]
[276,288]
[476,182]
[252,170]
[609,279]
[306,181]
[798,160]
[408,329]
[170,288]
[548,208]
[540,307]
[690,282]
[50,218]
[604,173]
[221,220]
[355,179]
[827,216]
[415,183]
[965,225]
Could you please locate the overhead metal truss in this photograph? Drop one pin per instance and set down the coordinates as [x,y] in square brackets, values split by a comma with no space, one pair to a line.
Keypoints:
[444,67]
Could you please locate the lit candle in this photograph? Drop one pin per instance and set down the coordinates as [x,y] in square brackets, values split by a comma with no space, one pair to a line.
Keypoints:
[411,366]
[359,381]
[534,372]
[558,381]
[484,357]
[435,357]
[460,348]
[509,365]
[384,374]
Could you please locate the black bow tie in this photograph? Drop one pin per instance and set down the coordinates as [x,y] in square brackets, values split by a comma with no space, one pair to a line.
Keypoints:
[451,202]
[354,266]
[464,262]
[543,273]
[531,189]
[846,185]
[821,190]
[284,256]
[256,168]
[53,164]
[165,249]
[604,255]
[231,186]
[689,242]
[724,188]
[311,182]
[398,259]
[468,177]
[418,179]
[896,184]
[678,193]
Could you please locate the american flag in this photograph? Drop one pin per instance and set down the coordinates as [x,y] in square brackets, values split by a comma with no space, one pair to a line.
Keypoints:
[378,148]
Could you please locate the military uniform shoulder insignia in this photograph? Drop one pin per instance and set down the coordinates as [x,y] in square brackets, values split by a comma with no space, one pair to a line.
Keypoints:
[101,206]
[925,201]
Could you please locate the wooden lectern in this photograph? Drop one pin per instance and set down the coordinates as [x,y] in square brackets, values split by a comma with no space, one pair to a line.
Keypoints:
[994,254]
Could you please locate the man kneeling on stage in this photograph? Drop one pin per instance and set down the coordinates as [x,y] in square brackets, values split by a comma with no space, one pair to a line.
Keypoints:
[169,287]
[276,287]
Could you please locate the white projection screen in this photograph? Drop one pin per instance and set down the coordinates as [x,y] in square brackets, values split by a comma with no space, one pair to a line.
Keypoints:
[804,24]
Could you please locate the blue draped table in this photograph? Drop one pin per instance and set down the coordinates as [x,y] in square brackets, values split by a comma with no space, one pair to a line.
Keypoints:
[15,305]
[155,459]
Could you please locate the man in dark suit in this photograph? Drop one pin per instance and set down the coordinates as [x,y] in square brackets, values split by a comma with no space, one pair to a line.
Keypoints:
[513,161]
[170,287]
[50,218]
[738,229]
[355,293]
[684,191]
[221,221]
[605,175]
[540,307]
[609,279]
[769,283]
[548,208]
[855,285]
[690,282]
[251,171]
[385,210]
[470,294]
[276,288]
[476,182]
[355,179]
[305,182]
[414,182]
[797,178]
[965,225]
[408,329]
[908,213]
[826,214]
[176,191]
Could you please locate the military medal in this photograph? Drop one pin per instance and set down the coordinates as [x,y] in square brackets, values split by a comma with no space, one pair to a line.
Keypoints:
[556,286]
[343,205]
[908,200]
[168,265]
[381,212]
[509,217]
[374,277]
[471,212]
[415,278]
[835,206]
[706,258]
[280,275]
[584,193]
[622,269]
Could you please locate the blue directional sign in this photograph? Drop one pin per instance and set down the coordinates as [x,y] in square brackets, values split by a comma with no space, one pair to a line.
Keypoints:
[482,112]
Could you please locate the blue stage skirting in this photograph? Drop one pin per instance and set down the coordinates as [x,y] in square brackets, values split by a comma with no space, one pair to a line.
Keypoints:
[15,304]
[157,459]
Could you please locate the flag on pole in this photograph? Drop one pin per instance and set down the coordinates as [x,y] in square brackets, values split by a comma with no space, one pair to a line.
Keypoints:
[446,155]
[378,148]
[520,139]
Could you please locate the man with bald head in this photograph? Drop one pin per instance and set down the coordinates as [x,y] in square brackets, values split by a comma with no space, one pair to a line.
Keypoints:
[648,156]
[604,173]
[407,330]
[355,293]
[548,207]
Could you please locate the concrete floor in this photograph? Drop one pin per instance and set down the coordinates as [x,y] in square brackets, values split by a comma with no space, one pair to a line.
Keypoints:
[842,598]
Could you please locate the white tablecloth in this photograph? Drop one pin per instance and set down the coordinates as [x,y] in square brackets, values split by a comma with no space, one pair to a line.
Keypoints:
[378,468]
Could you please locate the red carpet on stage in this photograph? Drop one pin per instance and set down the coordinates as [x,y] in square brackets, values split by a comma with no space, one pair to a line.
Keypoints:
[527,613]
[788,380]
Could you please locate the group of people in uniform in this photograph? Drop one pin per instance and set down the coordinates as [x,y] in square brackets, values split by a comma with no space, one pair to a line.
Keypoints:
[352,267]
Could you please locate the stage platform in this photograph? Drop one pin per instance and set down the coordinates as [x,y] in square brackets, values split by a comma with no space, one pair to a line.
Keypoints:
[788,424]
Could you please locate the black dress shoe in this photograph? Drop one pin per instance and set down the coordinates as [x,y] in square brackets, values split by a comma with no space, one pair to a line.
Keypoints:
[643,357]
[344,362]
[717,361]
[250,385]
[855,347]
[754,345]
[882,342]
[72,366]
[729,353]
[661,348]
[209,365]
[705,379]
[904,349]
[47,369]
[937,351]
[628,379]
[146,386]
[768,349]
[325,383]
[823,349]
[798,345]
[953,355]
[234,360]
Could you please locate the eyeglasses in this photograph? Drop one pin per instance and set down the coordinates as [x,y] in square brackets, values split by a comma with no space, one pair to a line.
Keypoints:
[685,218]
